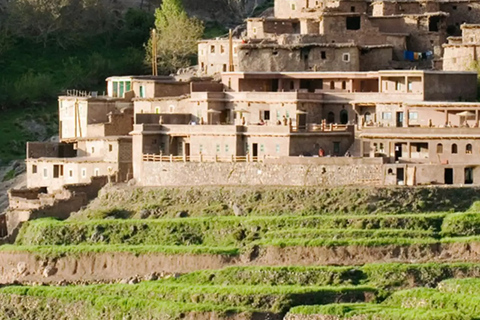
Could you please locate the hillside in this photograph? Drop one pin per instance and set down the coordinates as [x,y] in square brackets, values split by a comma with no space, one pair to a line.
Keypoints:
[399,253]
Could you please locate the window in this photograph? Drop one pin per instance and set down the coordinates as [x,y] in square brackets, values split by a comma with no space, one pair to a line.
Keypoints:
[110,147]
[200,148]
[336,147]
[330,117]
[212,49]
[332,85]
[84,172]
[34,169]
[344,85]
[226,148]
[381,148]
[454,7]
[410,86]
[293,6]
[128,86]
[45,173]
[218,148]
[115,89]
[57,171]
[468,149]
[346,57]
[287,114]
[262,148]
[266,115]
[386,116]
[142,91]
[454,148]
[323,55]
[224,68]
[97,172]
[162,147]
[93,150]
[277,148]
[368,117]
[122,89]
[398,85]
[254,30]
[278,114]
[353,23]
[222,49]
[70,173]
[413,115]
[433,23]
[439,148]
[468,175]
[352,9]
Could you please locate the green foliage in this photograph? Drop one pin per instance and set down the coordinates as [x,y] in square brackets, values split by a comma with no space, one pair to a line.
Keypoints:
[9,175]
[378,312]
[217,201]
[235,231]
[462,224]
[177,36]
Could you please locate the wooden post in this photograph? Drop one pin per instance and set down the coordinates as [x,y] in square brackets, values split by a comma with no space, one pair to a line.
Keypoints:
[231,67]
[154,52]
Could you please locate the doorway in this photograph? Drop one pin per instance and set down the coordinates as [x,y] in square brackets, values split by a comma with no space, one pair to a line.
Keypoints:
[399,119]
[255,151]
[400,176]
[468,175]
[448,175]
[398,151]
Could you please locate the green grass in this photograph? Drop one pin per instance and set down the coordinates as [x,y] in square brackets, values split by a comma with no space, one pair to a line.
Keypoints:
[462,224]
[265,298]
[463,286]
[378,312]
[59,251]
[227,231]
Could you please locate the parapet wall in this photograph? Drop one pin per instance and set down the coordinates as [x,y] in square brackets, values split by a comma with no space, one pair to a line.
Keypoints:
[255,174]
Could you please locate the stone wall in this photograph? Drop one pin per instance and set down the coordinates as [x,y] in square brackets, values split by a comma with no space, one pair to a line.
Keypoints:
[234,174]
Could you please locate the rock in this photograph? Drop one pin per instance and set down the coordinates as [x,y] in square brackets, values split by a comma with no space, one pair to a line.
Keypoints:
[124,281]
[144,214]
[182,214]
[21,267]
[237,210]
[49,271]
[134,280]
[151,277]
[131,182]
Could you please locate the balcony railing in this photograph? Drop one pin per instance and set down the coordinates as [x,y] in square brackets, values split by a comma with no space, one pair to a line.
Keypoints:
[202,158]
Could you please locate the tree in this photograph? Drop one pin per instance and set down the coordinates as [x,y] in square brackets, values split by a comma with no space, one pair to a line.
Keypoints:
[177,36]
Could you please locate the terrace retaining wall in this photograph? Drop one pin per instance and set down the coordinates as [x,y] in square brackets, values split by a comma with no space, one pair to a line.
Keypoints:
[255,173]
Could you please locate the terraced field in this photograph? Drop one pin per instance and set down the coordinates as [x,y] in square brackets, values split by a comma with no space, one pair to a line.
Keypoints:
[293,264]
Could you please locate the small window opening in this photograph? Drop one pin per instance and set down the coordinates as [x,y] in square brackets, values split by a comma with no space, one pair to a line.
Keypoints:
[110,147]
[344,85]
[468,149]
[352,9]
[439,148]
[332,85]
[34,169]
[323,55]
[433,23]
[353,23]
[454,148]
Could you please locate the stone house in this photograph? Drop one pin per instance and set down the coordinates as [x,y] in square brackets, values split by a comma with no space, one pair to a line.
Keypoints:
[462,53]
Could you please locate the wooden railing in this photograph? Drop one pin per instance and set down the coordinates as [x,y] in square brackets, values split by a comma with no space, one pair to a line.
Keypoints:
[319,128]
[201,158]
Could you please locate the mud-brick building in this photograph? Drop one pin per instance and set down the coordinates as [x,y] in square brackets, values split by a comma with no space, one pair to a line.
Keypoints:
[463,52]
[421,123]
[94,140]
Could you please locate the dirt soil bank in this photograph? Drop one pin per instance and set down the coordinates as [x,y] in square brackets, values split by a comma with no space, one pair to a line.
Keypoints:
[28,267]
[37,308]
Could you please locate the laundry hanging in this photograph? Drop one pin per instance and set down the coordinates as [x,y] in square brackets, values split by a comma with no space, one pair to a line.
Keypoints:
[416,56]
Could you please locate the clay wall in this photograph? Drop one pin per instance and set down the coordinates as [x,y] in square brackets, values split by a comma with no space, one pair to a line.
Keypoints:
[204,86]
[450,86]
[308,58]
[167,118]
[460,12]
[460,58]
[180,174]
[177,105]
[50,150]
[213,56]
[375,58]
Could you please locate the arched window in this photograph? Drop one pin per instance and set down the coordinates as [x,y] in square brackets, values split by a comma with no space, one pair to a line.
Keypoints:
[439,148]
[330,117]
[343,116]
[468,149]
[344,85]
[454,148]
[332,85]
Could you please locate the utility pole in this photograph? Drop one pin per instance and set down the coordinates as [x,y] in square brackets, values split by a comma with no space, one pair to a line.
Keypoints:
[231,67]
[154,53]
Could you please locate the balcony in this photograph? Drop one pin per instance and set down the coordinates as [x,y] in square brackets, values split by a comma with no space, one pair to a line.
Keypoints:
[418,132]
